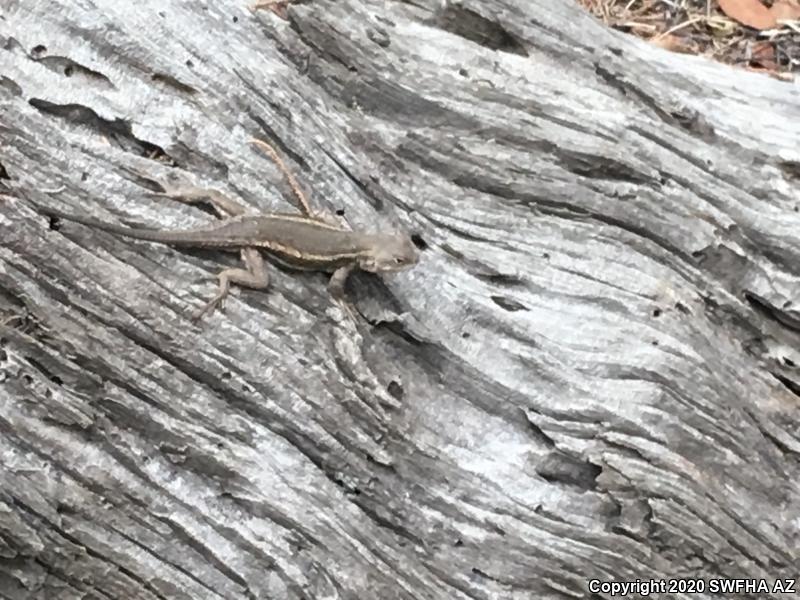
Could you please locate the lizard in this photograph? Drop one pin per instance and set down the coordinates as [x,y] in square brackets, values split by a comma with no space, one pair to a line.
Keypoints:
[306,241]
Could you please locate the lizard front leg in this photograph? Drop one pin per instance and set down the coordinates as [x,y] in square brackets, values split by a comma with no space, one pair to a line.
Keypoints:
[305,207]
[255,276]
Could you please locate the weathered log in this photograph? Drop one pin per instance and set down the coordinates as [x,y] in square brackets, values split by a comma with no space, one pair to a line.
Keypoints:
[592,374]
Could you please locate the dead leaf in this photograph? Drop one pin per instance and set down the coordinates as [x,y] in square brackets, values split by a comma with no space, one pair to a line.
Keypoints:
[748,12]
[785,10]
[754,14]
[763,54]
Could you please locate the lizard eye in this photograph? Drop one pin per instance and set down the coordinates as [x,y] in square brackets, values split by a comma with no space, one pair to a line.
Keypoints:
[399,260]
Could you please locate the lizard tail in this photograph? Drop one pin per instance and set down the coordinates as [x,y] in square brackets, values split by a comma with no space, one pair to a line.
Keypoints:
[176,238]
[88,221]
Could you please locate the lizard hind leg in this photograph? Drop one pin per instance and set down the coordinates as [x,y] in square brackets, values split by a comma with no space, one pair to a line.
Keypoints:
[224,206]
[255,276]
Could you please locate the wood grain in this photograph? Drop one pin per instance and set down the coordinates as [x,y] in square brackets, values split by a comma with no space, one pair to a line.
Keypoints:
[591,374]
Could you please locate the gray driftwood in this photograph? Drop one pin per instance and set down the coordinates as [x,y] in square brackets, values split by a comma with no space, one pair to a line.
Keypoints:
[592,374]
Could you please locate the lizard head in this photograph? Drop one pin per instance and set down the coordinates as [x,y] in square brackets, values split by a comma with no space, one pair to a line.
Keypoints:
[389,252]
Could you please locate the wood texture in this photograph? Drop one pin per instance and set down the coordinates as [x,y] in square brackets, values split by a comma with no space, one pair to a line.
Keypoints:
[592,374]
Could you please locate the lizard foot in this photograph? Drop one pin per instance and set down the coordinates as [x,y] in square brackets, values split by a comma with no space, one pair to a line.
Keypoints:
[347,310]
[217,302]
